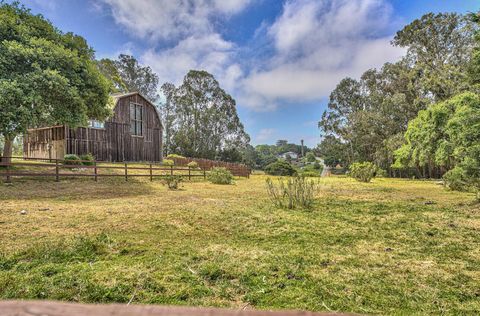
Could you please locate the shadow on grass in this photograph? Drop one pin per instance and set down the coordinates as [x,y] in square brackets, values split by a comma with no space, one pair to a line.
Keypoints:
[74,188]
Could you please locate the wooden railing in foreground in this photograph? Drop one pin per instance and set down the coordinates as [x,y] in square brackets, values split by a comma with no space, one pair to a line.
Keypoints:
[37,308]
[60,169]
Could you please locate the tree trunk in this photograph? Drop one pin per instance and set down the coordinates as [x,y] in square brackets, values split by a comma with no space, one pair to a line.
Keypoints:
[7,149]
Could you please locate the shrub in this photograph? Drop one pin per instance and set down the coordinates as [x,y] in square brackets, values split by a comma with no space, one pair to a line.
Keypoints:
[220,175]
[172,182]
[71,160]
[317,165]
[456,179]
[280,168]
[363,171]
[381,173]
[168,162]
[310,157]
[88,160]
[192,165]
[293,192]
[310,173]
[171,156]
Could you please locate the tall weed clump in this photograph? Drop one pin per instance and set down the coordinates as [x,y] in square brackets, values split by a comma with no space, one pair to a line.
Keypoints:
[291,193]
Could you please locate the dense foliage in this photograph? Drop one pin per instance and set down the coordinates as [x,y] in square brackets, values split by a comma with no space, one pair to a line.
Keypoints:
[127,75]
[46,77]
[363,171]
[87,159]
[262,155]
[280,168]
[193,165]
[220,175]
[446,136]
[366,118]
[168,162]
[71,160]
[420,115]
[200,119]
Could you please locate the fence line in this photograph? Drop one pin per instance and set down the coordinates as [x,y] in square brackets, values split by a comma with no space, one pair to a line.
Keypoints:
[59,164]
[236,169]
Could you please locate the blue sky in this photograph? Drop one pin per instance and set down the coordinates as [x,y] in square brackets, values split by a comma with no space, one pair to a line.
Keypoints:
[279,59]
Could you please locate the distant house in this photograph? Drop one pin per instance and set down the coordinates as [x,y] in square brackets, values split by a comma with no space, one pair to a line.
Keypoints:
[132,133]
[291,154]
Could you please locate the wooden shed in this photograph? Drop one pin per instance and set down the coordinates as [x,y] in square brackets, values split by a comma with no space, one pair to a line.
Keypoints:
[132,133]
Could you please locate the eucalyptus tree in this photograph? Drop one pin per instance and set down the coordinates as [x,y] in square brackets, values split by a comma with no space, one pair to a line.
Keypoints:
[474,67]
[370,115]
[128,75]
[445,137]
[439,48]
[46,76]
[167,111]
[205,122]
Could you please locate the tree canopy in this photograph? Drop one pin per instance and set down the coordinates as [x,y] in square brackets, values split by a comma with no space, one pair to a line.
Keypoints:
[127,75]
[47,77]
[369,116]
[446,135]
[201,119]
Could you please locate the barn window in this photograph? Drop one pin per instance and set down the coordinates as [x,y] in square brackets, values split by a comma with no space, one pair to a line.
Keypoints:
[136,119]
[96,124]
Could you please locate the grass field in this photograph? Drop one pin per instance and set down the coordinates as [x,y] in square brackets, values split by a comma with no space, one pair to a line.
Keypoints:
[388,247]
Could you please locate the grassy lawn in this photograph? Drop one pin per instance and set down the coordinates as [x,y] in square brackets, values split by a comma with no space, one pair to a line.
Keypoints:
[388,247]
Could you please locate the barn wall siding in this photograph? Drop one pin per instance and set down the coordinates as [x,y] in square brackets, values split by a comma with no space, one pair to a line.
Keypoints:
[112,143]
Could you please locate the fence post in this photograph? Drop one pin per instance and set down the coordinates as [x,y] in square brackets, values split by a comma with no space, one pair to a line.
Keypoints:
[126,172]
[95,169]
[151,176]
[189,174]
[8,180]
[57,177]
[204,173]
[171,170]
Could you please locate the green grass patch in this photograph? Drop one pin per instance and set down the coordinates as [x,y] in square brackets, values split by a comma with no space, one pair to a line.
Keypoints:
[385,247]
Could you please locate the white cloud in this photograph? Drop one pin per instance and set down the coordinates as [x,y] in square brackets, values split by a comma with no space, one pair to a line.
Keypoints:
[188,29]
[311,46]
[170,20]
[317,43]
[207,52]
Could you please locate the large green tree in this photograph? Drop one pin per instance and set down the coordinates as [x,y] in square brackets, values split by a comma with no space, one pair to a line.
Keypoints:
[371,114]
[204,121]
[445,137]
[46,76]
[167,110]
[474,67]
[439,48]
[128,75]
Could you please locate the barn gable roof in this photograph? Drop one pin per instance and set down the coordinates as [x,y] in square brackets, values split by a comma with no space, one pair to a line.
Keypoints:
[120,95]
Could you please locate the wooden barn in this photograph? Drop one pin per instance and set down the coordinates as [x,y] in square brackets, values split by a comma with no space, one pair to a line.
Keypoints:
[132,133]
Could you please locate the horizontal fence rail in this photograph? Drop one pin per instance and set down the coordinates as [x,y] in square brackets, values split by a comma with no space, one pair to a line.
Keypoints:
[236,169]
[65,168]
[29,308]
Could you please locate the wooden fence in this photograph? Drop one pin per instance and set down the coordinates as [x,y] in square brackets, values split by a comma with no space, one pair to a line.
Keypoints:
[58,168]
[236,169]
